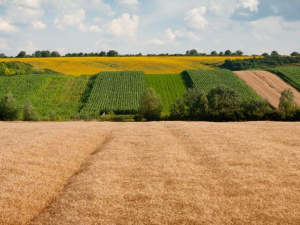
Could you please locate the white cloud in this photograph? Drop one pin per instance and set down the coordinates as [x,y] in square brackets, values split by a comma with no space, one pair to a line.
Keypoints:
[252,5]
[130,3]
[7,27]
[29,48]
[4,44]
[74,18]
[157,42]
[195,18]
[91,28]
[215,8]
[38,25]
[123,26]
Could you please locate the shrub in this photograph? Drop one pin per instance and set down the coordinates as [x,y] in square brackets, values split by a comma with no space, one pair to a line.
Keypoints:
[150,105]
[29,113]
[197,103]
[223,98]
[286,102]
[9,108]
[177,110]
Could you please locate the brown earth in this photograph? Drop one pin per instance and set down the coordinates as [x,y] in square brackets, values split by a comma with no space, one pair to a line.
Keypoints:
[267,85]
[150,173]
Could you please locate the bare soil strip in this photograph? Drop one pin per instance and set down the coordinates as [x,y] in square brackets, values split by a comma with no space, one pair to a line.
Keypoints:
[267,85]
[185,173]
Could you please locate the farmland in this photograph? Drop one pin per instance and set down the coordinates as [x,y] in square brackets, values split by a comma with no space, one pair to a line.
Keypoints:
[205,80]
[150,65]
[115,91]
[168,86]
[149,173]
[290,74]
[58,93]
[267,85]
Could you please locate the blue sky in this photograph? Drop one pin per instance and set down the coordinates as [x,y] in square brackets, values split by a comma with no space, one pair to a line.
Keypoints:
[149,26]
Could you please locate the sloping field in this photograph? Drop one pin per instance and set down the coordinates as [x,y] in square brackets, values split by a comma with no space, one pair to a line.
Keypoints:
[150,173]
[205,80]
[59,93]
[116,91]
[168,86]
[150,65]
[267,85]
[290,74]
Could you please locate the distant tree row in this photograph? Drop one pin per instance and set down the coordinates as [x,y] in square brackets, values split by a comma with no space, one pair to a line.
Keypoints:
[267,61]
[113,53]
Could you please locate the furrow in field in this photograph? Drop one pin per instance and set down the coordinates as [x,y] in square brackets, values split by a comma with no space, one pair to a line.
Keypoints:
[267,85]
[36,162]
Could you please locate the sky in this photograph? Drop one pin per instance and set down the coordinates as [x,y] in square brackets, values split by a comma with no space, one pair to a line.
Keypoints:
[149,26]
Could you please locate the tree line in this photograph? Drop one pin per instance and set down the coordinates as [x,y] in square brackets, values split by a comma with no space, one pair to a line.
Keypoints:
[220,104]
[114,53]
[267,61]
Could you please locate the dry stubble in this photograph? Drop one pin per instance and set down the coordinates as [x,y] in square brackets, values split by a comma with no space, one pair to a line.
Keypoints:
[179,173]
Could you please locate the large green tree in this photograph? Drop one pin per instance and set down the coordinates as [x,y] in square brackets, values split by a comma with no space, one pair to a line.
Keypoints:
[150,105]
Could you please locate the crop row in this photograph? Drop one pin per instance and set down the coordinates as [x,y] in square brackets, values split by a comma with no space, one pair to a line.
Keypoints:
[115,91]
[205,80]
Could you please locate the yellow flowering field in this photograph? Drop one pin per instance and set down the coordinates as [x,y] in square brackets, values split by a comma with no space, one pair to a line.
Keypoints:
[150,65]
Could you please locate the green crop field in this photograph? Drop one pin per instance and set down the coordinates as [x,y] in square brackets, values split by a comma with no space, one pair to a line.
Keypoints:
[205,80]
[115,91]
[59,93]
[168,86]
[290,74]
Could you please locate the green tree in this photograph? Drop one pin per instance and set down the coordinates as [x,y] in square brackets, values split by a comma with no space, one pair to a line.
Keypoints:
[221,54]
[286,101]
[228,53]
[265,54]
[102,53]
[112,53]
[239,53]
[45,54]
[223,98]
[196,103]
[295,54]
[274,53]
[150,105]
[177,110]
[29,113]
[55,54]
[22,54]
[9,108]
[214,53]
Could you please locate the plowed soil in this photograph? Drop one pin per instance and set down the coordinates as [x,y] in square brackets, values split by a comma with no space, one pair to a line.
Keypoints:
[150,173]
[267,85]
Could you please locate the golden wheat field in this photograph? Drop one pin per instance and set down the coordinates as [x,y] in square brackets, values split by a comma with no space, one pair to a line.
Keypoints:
[150,65]
[149,173]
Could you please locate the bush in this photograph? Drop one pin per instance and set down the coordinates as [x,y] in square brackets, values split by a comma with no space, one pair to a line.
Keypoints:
[9,108]
[53,116]
[177,110]
[223,98]
[150,105]
[29,113]
[287,103]
[197,104]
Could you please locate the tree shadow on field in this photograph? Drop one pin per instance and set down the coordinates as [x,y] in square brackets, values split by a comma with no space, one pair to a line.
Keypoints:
[187,79]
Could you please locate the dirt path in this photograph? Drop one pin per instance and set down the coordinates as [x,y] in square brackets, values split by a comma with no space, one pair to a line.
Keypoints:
[267,85]
[150,173]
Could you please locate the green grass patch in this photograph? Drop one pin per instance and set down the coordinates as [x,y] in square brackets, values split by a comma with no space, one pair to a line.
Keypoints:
[205,80]
[290,74]
[168,86]
[115,91]
[59,93]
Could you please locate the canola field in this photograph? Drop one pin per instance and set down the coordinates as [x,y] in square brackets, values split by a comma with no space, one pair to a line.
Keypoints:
[150,65]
